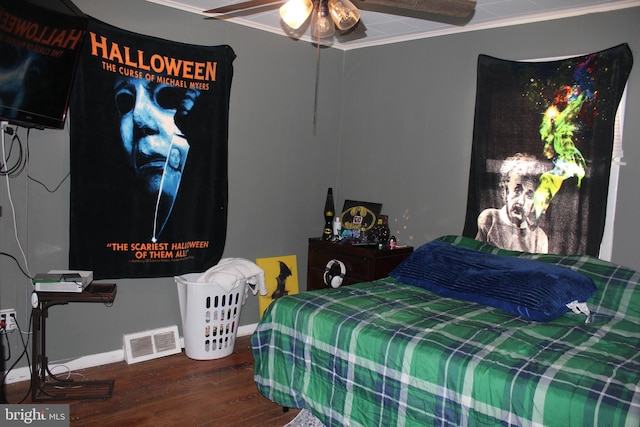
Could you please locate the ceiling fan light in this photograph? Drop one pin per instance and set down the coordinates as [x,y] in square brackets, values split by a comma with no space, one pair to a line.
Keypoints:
[321,24]
[295,12]
[344,13]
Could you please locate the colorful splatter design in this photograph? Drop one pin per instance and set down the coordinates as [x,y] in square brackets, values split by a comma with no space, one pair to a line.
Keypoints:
[561,121]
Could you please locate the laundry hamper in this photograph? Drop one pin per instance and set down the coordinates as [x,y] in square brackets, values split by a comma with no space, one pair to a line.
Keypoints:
[209,316]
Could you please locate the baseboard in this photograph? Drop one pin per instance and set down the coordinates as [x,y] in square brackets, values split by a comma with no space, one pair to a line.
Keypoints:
[24,374]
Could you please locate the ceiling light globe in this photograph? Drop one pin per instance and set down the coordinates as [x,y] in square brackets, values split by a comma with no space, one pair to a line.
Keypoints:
[295,12]
[344,13]
[321,24]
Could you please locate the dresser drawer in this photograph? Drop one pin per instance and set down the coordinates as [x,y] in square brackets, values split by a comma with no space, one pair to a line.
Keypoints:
[361,263]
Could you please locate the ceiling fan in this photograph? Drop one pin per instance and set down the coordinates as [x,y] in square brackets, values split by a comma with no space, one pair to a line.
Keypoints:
[327,16]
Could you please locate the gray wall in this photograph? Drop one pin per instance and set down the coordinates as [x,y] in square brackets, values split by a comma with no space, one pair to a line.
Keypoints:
[279,171]
[409,125]
[394,126]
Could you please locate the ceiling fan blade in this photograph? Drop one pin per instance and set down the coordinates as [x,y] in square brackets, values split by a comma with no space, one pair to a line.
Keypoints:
[250,4]
[454,8]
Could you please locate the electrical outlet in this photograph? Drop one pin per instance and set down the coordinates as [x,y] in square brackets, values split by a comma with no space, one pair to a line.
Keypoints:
[8,319]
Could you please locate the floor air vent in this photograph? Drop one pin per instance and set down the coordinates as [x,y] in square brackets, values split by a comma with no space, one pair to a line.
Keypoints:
[151,344]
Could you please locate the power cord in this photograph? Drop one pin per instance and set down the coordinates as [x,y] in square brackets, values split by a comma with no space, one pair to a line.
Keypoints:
[3,333]
[24,353]
[22,154]
[7,175]
[56,188]
[15,170]
[18,263]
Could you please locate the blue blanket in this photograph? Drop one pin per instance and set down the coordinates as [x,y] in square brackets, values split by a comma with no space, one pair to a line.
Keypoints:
[528,288]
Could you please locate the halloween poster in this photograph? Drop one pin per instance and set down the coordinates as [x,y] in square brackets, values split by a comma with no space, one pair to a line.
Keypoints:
[148,129]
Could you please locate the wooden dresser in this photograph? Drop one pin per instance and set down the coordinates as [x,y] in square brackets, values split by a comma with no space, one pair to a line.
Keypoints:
[362,263]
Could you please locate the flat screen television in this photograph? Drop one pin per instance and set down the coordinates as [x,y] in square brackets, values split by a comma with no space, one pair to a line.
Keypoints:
[39,50]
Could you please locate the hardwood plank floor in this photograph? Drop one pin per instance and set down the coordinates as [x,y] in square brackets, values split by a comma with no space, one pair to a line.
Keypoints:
[174,391]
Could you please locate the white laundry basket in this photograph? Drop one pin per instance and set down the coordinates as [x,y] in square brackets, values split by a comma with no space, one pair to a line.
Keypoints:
[209,316]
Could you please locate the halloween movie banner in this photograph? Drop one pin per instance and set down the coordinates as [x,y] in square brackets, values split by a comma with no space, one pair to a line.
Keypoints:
[542,151]
[149,130]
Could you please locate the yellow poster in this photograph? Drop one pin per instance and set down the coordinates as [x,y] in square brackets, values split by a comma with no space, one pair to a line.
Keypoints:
[281,278]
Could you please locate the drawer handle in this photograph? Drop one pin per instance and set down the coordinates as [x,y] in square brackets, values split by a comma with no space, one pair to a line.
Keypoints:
[334,280]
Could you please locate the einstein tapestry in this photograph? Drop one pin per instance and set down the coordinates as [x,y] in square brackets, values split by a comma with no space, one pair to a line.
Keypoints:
[148,128]
[542,151]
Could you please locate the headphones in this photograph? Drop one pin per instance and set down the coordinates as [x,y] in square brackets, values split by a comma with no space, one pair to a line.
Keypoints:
[334,280]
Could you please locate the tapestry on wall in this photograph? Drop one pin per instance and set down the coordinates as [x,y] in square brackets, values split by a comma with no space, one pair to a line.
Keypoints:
[542,151]
[149,130]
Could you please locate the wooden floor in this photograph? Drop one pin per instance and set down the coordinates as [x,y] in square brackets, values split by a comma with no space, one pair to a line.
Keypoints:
[174,391]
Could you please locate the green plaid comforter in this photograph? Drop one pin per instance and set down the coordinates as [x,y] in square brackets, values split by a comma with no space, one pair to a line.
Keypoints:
[385,353]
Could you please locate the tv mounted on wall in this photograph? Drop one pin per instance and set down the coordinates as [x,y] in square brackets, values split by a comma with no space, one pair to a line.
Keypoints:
[39,49]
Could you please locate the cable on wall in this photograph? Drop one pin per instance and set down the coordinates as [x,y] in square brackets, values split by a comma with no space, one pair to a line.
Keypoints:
[15,161]
[17,169]
[24,353]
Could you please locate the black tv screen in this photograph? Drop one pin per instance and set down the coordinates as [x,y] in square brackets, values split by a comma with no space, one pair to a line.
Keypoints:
[39,50]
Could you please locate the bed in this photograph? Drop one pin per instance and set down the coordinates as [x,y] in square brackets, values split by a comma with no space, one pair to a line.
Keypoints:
[390,353]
